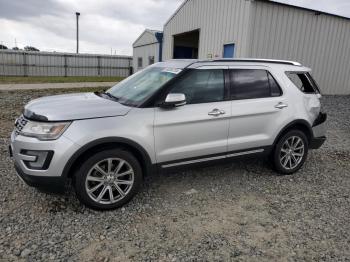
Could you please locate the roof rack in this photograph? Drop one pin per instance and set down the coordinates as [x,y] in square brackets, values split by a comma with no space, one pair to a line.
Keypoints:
[286,62]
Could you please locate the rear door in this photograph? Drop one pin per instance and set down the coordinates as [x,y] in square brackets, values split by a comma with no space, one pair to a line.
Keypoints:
[258,105]
[198,129]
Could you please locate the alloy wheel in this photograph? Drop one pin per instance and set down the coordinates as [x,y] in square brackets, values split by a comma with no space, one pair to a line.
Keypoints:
[292,152]
[109,180]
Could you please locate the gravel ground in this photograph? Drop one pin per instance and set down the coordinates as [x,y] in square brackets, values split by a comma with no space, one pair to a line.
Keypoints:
[234,212]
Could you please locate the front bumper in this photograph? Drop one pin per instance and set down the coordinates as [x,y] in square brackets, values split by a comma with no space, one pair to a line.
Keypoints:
[50,176]
[50,184]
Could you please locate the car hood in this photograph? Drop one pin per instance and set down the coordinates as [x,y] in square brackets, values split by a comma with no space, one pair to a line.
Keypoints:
[73,107]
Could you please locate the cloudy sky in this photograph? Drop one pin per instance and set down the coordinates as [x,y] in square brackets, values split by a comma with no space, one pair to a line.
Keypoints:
[104,24]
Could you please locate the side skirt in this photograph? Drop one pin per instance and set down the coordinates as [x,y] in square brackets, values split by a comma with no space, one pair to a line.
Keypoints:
[213,159]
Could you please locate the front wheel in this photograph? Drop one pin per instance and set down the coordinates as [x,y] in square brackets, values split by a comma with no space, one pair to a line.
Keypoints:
[108,179]
[290,152]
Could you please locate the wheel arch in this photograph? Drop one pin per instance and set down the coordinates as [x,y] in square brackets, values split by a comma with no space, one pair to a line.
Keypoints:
[299,124]
[108,143]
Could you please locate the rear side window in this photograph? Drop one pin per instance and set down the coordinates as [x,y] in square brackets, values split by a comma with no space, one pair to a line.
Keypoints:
[304,82]
[253,83]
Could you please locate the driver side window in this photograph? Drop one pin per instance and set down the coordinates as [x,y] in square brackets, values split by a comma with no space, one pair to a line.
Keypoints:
[201,86]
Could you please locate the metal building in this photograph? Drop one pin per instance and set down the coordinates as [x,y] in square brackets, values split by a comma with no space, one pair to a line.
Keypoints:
[147,49]
[263,29]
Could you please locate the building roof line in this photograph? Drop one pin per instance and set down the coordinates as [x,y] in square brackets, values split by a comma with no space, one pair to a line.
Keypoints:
[176,11]
[153,32]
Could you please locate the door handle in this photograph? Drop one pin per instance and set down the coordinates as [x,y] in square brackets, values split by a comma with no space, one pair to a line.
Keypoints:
[281,105]
[216,112]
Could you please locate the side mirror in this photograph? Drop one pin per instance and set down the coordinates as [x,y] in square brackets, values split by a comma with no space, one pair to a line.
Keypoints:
[174,100]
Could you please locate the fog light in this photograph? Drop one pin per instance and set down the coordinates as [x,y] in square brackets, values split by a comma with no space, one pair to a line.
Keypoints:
[41,159]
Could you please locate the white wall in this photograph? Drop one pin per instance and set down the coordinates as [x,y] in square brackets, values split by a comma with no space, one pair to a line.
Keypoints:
[145,46]
[144,52]
[321,42]
[220,22]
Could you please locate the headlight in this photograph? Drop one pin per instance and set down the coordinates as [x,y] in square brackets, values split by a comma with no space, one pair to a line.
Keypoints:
[44,130]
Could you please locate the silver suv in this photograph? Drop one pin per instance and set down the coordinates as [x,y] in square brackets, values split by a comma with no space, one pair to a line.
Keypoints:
[169,115]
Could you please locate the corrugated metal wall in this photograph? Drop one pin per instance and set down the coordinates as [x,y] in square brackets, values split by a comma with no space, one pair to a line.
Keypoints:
[145,46]
[220,22]
[145,52]
[261,29]
[19,63]
[321,42]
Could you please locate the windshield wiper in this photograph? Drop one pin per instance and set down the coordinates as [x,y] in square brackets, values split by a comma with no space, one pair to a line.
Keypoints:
[111,96]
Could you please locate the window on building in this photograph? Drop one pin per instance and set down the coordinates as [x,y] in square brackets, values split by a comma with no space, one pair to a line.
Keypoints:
[253,83]
[151,60]
[303,81]
[201,86]
[139,62]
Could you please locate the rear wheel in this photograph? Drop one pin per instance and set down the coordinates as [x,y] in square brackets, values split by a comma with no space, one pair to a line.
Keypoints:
[108,179]
[290,152]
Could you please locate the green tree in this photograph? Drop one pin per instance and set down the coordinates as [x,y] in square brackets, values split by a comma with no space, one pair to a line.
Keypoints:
[31,48]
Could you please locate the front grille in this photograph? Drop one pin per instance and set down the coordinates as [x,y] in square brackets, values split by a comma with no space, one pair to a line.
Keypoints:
[19,124]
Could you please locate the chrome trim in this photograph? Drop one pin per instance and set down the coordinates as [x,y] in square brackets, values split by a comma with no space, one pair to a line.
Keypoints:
[246,153]
[281,105]
[216,112]
[257,60]
[28,157]
[213,158]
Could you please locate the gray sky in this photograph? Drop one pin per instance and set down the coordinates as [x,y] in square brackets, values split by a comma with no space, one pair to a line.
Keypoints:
[50,24]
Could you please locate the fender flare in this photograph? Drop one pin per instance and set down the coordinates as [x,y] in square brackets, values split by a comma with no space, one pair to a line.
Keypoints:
[147,163]
[293,123]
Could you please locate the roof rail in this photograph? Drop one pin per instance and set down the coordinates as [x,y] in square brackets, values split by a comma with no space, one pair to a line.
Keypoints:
[286,62]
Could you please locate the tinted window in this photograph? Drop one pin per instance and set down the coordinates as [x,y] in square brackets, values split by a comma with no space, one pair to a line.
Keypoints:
[275,88]
[313,82]
[303,81]
[201,86]
[253,83]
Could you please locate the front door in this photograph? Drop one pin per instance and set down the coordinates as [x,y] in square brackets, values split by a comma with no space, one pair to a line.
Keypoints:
[198,129]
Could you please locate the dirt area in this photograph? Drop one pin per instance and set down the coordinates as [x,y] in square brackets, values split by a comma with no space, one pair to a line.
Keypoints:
[235,212]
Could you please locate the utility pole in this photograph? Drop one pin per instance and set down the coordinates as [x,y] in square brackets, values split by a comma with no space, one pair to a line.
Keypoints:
[77,14]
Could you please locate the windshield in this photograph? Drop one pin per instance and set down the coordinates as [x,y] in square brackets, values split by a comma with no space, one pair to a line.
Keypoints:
[140,86]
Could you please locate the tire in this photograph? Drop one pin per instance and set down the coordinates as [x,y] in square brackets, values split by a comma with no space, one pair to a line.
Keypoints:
[288,160]
[104,171]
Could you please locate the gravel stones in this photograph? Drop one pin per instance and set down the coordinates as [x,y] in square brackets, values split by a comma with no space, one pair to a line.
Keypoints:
[232,212]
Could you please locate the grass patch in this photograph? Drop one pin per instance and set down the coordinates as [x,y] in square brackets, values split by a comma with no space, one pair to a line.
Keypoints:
[56,79]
